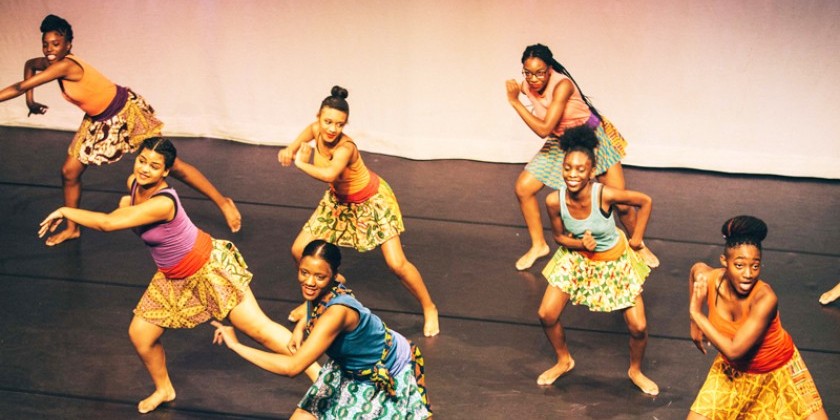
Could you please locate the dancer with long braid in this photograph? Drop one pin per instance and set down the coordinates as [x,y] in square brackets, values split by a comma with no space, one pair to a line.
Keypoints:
[558,105]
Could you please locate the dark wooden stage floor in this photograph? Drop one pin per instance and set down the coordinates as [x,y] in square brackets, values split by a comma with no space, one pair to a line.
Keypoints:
[64,311]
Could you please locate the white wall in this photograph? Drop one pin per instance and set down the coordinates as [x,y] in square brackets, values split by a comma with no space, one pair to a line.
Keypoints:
[748,87]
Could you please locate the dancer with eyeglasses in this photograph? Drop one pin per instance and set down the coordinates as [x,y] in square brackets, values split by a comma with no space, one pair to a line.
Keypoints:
[558,105]
[116,121]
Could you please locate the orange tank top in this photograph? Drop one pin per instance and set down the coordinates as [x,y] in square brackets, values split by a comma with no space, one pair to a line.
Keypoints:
[93,93]
[355,183]
[773,351]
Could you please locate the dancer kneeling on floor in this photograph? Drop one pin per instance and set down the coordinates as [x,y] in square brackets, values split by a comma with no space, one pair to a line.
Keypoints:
[758,372]
[596,265]
[373,372]
[198,277]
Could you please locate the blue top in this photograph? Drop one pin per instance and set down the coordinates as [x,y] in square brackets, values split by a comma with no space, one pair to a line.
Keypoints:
[602,226]
[362,347]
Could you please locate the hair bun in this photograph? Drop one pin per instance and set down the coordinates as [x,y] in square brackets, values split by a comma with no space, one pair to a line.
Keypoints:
[339,92]
[744,229]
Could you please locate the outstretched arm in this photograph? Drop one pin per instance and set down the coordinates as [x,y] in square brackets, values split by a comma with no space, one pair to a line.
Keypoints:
[761,314]
[542,127]
[156,209]
[329,325]
[36,72]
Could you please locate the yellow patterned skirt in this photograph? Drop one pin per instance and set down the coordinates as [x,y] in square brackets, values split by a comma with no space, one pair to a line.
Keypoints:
[362,226]
[212,291]
[108,140]
[788,392]
[603,286]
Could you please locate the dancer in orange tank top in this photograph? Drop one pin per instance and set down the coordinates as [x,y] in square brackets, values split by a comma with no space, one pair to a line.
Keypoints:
[359,210]
[758,372]
[116,121]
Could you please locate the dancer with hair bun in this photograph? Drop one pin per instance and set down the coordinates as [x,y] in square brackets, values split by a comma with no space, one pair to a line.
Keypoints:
[116,121]
[758,372]
[596,264]
[558,104]
[198,277]
[359,210]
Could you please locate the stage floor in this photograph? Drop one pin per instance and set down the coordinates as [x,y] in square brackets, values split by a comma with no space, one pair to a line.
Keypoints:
[65,352]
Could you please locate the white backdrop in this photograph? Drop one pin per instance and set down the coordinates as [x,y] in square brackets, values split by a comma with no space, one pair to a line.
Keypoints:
[738,86]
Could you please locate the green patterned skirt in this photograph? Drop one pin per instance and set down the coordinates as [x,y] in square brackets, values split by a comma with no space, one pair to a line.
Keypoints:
[362,226]
[337,395]
[603,286]
[212,291]
[547,164]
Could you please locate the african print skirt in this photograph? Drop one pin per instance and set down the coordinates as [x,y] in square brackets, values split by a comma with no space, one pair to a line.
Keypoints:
[106,140]
[547,165]
[337,395]
[603,286]
[788,392]
[362,226]
[212,291]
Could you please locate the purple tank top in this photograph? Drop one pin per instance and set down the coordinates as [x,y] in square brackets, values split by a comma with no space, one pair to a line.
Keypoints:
[169,241]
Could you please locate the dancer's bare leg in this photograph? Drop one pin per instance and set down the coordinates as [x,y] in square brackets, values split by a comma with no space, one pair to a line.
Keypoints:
[146,339]
[637,324]
[527,187]
[551,308]
[250,319]
[191,176]
[71,181]
[831,295]
[614,177]
[411,279]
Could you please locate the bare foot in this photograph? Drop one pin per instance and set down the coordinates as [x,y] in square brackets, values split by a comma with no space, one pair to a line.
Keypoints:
[526,261]
[157,398]
[643,382]
[831,295]
[64,235]
[232,216]
[298,313]
[431,327]
[648,257]
[548,377]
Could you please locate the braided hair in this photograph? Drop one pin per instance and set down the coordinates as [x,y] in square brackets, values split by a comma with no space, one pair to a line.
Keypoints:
[543,53]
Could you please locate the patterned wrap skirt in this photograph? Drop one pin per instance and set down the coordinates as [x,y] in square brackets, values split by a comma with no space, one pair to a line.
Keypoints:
[603,286]
[788,392]
[547,165]
[337,395]
[212,291]
[105,139]
[362,226]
